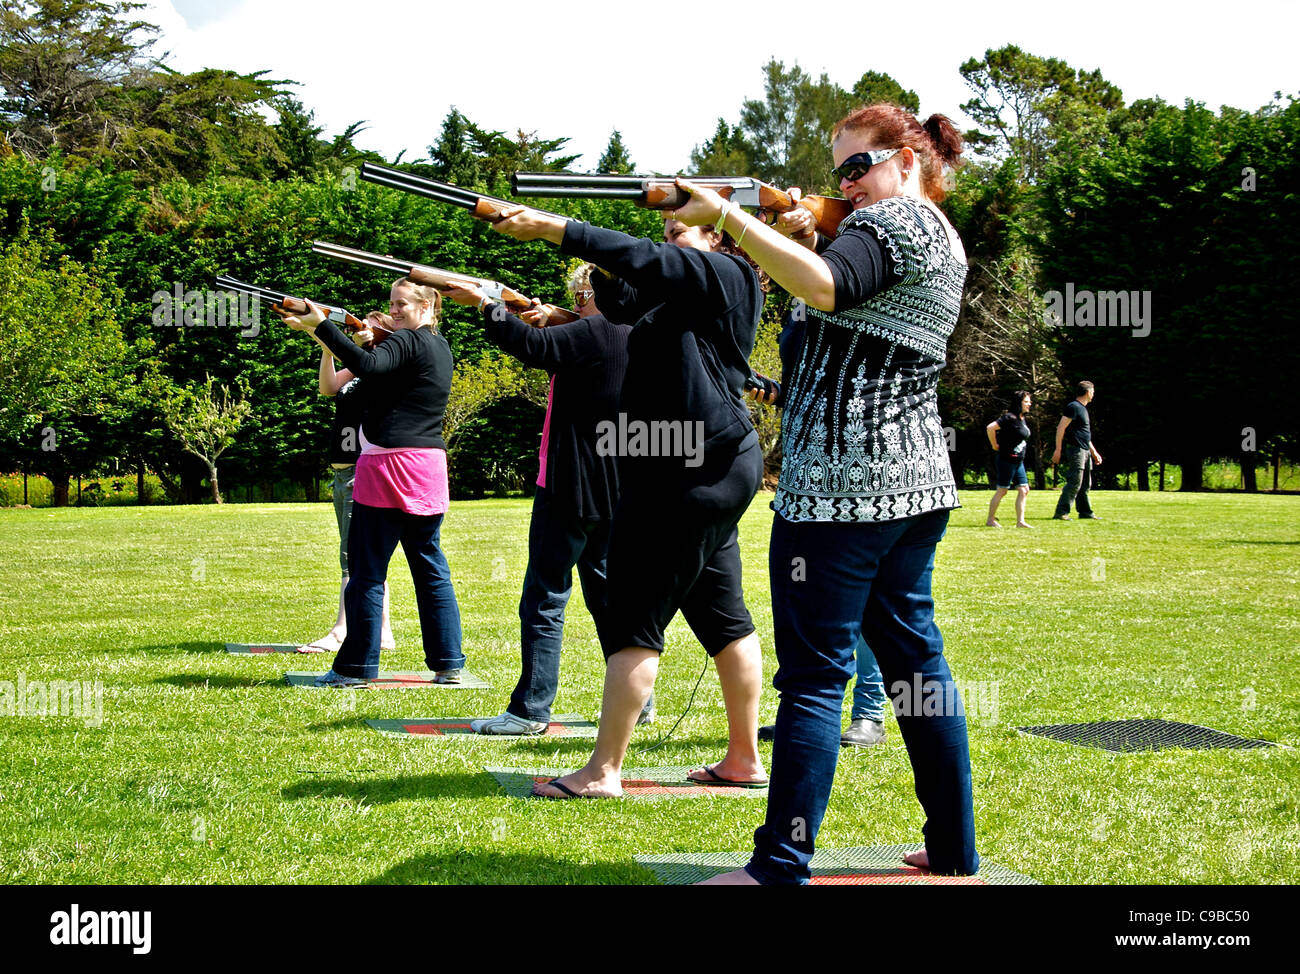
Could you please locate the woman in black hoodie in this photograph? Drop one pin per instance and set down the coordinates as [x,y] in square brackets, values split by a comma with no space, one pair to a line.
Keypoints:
[689,466]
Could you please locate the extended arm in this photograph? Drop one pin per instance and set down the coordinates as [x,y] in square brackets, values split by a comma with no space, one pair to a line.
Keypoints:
[551,348]
[793,266]
[673,272]
[1061,427]
[331,380]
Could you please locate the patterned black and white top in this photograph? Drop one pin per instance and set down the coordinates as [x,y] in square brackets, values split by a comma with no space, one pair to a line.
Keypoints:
[861,435]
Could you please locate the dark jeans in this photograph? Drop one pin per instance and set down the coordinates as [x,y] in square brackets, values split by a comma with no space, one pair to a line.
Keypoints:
[557,541]
[372,538]
[1078,475]
[830,583]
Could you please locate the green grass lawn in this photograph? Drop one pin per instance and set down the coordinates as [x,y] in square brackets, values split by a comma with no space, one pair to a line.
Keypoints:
[207,768]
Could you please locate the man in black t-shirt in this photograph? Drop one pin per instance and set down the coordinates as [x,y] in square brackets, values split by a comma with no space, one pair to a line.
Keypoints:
[1075,449]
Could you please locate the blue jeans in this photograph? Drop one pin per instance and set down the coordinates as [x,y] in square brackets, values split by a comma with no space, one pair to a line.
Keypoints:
[869,689]
[557,542]
[342,491]
[372,538]
[832,583]
[1078,474]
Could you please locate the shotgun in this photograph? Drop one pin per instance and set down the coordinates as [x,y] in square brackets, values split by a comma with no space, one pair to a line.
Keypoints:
[287,302]
[435,277]
[662,193]
[480,207]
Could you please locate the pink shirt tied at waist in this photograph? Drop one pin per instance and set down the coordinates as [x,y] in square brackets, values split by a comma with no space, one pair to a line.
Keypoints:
[546,434]
[411,479]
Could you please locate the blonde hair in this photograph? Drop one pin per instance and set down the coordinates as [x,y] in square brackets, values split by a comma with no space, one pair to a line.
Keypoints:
[424,292]
[580,279]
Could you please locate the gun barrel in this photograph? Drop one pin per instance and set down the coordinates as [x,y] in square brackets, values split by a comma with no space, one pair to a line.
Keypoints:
[363,257]
[422,186]
[227,283]
[562,185]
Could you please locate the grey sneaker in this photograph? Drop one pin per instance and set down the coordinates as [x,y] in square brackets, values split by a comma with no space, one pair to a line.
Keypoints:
[447,676]
[647,715]
[508,724]
[331,679]
[863,733]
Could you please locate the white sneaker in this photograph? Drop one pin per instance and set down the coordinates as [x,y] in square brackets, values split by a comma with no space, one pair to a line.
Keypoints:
[331,679]
[507,723]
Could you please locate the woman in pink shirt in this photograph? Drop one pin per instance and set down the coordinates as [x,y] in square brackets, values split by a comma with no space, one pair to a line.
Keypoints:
[400,492]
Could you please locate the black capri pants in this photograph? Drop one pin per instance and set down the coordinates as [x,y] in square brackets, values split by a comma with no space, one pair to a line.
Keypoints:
[673,545]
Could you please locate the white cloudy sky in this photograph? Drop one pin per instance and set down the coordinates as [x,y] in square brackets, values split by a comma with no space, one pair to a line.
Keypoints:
[581,69]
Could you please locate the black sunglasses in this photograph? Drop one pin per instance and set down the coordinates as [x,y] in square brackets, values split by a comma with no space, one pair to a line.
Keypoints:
[856,166]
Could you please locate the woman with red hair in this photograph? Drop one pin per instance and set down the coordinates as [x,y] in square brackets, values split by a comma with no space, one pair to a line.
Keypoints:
[865,485]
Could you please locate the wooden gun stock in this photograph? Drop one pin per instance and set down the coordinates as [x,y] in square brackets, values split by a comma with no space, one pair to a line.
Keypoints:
[827,211]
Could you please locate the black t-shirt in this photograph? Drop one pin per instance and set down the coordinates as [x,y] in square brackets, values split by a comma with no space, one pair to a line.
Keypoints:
[345,443]
[1079,433]
[1013,437]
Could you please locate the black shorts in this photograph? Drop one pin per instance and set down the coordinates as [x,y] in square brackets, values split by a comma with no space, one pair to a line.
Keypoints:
[676,547]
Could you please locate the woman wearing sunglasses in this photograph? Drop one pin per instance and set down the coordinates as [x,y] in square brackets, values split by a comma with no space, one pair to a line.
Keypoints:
[866,485]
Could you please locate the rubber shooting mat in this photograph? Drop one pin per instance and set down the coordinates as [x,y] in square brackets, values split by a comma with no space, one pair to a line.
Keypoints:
[1126,736]
[394,681]
[855,866]
[667,782]
[562,725]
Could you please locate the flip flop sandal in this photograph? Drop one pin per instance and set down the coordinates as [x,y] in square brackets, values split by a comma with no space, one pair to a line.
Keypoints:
[568,792]
[719,781]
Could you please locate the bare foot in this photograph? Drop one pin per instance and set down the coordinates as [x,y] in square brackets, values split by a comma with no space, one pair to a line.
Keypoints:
[328,643]
[737,877]
[580,784]
[992,523]
[921,860]
[724,773]
[1022,524]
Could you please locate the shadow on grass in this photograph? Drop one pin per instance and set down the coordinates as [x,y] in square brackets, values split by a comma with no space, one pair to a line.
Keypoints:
[343,723]
[190,647]
[213,681]
[1233,544]
[462,867]
[382,791]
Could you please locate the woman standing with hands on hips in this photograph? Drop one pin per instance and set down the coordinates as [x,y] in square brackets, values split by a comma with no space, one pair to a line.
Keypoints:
[1009,436]
[673,546]
[865,485]
[400,491]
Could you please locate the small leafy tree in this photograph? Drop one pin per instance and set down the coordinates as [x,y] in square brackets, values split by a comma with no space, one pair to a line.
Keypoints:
[475,386]
[206,421]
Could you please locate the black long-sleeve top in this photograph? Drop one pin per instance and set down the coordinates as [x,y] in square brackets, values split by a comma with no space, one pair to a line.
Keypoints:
[694,316]
[348,412]
[588,360]
[407,378]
